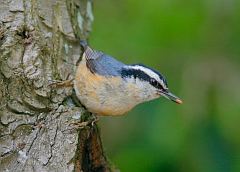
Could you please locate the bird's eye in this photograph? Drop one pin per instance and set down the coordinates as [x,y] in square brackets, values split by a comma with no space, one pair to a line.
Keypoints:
[154,82]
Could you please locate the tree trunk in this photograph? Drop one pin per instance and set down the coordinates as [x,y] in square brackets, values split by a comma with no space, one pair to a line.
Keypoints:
[39,44]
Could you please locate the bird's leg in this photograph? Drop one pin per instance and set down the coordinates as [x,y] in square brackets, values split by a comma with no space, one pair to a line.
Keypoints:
[60,84]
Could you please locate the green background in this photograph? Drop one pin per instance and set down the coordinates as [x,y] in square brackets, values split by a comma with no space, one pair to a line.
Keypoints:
[195,44]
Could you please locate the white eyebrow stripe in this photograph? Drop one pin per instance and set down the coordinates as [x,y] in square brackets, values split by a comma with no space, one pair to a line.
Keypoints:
[149,72]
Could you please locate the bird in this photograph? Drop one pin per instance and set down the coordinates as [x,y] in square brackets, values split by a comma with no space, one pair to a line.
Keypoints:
[108,87]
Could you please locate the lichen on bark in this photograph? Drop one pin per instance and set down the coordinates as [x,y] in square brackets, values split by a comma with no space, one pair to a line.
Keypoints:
[38,45]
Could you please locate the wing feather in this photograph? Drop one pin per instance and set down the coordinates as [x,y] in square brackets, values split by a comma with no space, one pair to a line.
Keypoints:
[102,64]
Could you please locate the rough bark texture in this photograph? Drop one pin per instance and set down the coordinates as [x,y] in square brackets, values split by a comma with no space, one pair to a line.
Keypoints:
[37,46]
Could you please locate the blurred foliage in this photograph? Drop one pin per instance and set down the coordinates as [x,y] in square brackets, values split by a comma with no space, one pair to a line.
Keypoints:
[196,45]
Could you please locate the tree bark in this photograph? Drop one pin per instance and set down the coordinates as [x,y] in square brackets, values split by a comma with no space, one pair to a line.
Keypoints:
[39,44]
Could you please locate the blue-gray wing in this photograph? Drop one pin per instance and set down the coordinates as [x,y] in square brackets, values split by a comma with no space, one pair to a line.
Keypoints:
[102,64]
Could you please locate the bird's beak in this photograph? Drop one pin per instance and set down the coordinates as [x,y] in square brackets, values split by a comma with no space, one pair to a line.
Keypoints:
[171,96]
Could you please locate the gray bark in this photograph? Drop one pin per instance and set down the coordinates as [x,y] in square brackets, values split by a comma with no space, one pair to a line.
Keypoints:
[38,44]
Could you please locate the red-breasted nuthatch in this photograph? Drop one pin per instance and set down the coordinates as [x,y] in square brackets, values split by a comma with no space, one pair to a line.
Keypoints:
[106,86]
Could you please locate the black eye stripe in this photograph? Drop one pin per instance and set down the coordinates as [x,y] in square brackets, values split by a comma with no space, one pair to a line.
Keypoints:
[155,71]
[136,73]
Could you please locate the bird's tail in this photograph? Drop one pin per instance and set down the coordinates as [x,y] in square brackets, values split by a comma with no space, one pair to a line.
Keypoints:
[84,44]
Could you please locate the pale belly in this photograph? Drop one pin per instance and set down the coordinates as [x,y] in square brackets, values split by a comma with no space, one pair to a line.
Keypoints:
[101,95]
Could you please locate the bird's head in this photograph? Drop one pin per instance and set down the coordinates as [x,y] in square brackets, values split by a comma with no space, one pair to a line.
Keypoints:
[149,84]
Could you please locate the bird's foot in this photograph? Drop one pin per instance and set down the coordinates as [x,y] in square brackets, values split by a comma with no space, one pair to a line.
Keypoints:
[80,125]
[60,84]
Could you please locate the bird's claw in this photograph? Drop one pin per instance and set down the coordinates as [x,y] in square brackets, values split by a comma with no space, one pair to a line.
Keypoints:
[81,125]
[66,83]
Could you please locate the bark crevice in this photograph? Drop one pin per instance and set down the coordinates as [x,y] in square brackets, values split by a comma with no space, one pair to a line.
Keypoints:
[38,44]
